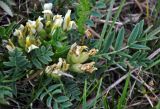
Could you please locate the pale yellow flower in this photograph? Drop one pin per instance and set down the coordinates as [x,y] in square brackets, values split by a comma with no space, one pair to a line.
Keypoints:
[88,67]
[68,24]
[59,69]
[28,41]
[19,32]
[31,44]
[67,20]
[72,25]
[58,20]
[31,25]
[47,11]
[10,46]
[39,24]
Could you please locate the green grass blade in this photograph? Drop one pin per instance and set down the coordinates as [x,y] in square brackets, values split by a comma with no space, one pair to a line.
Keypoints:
[94,101]
[84,103]
[122,100]
[157,62]
[153,33]
[98,92]
[158,105]
[105,103]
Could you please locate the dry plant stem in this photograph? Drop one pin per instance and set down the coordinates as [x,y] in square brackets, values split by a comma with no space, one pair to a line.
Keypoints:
[150,102]
[36,74]
[132,88]
[154,54]
[128,3]
[135,104]
[27,9]
[118,82]
[110,22]
[111,69]
[139,5]
[16,107]
[30,81]
[148,87]
[142,82]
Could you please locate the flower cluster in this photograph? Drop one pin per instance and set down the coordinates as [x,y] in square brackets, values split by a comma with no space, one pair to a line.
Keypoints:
[78,55]
[76,58]
[30,35]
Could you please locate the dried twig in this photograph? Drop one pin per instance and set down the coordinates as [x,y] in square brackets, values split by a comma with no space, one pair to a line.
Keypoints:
[154,54]
[103,21]
[150,102]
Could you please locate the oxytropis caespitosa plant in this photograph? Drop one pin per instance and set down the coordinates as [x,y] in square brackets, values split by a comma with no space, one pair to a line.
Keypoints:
[35,34]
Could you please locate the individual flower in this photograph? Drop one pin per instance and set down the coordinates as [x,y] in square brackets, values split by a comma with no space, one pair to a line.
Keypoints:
[57,19]
[81,68]
[57,70]
[31,26]
[10,46]
[79,54]
[47,11]
[61,65]
[68,24]
[31,43]
[19,32]
[39,24]
[72,25]
[57,22]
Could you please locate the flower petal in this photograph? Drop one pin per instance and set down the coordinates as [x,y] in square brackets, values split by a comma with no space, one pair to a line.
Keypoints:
[32,47]
[48,6]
